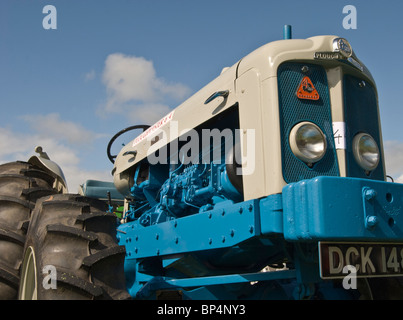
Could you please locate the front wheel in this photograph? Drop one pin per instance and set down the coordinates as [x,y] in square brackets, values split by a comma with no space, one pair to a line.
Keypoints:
[71,252]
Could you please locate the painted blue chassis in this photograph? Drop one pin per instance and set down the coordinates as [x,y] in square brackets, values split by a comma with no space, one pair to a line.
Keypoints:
[324,208]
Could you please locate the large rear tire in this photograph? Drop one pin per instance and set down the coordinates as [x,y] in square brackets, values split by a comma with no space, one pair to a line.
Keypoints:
[21,184]
[76,238]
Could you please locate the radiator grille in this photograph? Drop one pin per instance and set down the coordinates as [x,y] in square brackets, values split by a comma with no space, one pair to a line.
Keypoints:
[361,115]
[294,110]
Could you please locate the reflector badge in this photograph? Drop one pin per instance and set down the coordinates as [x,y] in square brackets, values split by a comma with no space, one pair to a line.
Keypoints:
[306,90]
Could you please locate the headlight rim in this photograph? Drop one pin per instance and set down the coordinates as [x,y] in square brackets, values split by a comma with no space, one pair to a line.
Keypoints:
[296,150]
[358,157]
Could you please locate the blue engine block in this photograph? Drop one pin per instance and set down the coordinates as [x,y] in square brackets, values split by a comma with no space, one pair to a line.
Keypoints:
[189,189]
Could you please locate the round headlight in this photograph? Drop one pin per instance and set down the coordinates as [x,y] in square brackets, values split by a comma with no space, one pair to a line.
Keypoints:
[366,151]
[307,142]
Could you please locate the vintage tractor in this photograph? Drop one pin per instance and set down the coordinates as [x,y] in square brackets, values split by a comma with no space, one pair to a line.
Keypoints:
[268,183]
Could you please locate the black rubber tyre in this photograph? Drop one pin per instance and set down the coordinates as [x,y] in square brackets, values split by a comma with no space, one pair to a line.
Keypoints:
[77,237]
[21,184]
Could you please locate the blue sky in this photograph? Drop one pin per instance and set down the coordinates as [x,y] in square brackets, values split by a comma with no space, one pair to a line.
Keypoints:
[60,88]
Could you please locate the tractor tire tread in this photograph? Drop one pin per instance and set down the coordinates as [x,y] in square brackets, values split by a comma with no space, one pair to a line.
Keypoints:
[81,228]
[21,184]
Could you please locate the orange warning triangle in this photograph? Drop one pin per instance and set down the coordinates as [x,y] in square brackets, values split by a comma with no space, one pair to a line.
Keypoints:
[306,90]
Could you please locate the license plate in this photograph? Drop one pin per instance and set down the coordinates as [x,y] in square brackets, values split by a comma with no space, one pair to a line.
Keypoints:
[367,259]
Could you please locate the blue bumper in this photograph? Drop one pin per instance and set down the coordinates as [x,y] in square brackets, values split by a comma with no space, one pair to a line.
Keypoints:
[335,208]
[323,208]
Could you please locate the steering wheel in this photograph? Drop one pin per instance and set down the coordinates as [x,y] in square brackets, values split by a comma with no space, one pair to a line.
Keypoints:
[108,148]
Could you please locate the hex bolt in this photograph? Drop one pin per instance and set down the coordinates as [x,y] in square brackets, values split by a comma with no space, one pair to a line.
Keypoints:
[372,221]
[370,194]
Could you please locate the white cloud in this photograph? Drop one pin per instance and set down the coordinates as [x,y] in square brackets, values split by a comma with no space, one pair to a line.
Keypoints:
[129,78]
[134,89]
[148,113]
[394,159]
[47,131]
[90,75]
[15,146]
[52,125]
